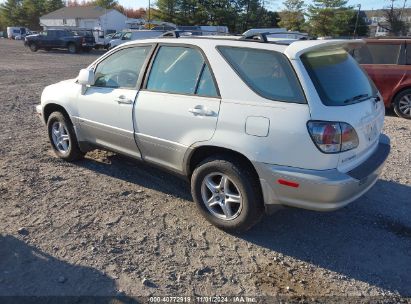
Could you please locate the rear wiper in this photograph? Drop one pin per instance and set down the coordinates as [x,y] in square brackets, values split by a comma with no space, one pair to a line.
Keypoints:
[356,98]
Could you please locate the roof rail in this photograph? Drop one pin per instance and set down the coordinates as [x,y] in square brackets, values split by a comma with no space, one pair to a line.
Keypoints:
[195,33]
[171,34]
[258,37]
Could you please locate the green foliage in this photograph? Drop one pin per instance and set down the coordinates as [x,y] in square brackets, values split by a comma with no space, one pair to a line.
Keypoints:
[396,26]
[27,12]
[334,18]
[238,15]
[106,3]
[292,18]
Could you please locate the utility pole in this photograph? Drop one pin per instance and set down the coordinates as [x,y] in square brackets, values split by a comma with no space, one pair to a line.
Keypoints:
[149,17]
[356,21]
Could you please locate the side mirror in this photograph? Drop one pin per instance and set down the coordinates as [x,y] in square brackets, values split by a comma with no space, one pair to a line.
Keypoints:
[86,77]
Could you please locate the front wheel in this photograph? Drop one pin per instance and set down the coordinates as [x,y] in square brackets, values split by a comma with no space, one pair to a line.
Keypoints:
[62,137]
[402,104]
[33,47]
[227,193]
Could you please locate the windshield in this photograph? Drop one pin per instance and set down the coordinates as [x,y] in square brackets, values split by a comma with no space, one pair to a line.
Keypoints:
[337,77]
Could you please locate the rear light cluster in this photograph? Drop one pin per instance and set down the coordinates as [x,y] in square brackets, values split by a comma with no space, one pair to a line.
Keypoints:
[333,137]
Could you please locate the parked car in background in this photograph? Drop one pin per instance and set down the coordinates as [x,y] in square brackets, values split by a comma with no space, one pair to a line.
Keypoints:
[60,39]
[252,124]
[134,35]
[14,31]
[388,63]
[110,37]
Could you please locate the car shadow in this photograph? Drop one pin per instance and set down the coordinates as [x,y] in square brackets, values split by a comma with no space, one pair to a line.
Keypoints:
[368,240]
[29,275]
[139,173]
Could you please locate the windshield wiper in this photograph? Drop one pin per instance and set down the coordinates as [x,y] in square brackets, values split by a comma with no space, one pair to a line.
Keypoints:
[356,98]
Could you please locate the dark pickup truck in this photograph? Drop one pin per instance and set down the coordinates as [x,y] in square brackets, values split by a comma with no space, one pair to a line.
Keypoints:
[61,39]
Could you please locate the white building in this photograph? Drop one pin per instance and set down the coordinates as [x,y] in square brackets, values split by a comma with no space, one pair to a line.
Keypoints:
[85,17]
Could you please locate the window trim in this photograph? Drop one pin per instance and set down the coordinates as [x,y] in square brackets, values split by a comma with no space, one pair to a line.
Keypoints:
[143,67]
[184,45]
[253,89]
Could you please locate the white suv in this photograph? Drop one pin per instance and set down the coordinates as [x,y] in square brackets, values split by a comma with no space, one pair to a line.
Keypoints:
[252,123]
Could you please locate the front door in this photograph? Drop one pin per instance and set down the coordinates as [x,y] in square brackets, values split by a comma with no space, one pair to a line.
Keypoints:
[106,108]
[178,106]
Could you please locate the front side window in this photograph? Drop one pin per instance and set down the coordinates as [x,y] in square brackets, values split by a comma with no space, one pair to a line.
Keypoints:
[126,36]
[117,35]
[377,53]
[121,69]
[268,73]
[338,78]
[181,70]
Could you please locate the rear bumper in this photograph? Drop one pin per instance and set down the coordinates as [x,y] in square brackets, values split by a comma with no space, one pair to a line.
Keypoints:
[321,190]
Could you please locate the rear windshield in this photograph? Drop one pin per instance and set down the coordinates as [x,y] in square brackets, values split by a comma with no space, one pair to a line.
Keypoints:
[338,78]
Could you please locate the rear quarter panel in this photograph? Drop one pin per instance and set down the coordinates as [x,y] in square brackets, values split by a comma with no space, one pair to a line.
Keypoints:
[389,79]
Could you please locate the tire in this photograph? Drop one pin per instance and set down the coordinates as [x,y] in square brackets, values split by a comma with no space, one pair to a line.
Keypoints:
[72,48]
[242,186]
[402,104]
[63,138]
[33,47]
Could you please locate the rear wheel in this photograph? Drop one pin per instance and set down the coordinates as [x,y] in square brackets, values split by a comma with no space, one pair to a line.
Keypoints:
[402,104]
[62,137]
[227,193]
[72,48]
[33,47]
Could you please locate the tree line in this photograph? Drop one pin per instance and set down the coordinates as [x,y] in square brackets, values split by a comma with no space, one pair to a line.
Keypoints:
[320,18]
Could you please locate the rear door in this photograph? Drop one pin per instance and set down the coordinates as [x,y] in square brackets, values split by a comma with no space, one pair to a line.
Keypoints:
[383,60]
[178,106]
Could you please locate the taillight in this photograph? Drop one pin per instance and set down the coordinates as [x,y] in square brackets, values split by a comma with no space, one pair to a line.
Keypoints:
[333,137]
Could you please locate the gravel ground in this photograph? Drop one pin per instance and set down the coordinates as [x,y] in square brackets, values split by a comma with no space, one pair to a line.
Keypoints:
[109,226]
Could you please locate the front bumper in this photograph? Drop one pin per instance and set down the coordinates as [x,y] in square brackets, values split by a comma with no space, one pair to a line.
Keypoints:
[321,190]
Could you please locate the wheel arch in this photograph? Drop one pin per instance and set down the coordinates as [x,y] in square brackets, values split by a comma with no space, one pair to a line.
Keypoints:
[200,153]
[398,92]
[53,107]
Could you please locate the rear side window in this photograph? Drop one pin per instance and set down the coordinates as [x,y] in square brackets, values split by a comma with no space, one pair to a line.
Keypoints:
[181,70]
[378,53]
[268,73]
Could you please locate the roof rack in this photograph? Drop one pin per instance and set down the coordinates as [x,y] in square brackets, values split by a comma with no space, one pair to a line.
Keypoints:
[254,37]
[180,33]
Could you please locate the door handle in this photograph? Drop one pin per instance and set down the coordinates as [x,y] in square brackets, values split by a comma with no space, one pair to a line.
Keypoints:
[200,110]
[123,100]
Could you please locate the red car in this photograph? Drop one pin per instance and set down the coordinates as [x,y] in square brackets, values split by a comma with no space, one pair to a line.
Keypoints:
[388,63]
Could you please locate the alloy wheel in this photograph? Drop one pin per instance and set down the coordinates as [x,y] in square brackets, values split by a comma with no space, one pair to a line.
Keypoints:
[404,105]
[221,196]
[60,136]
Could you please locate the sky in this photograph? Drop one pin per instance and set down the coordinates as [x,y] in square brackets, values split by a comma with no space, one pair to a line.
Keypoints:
[277,4]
